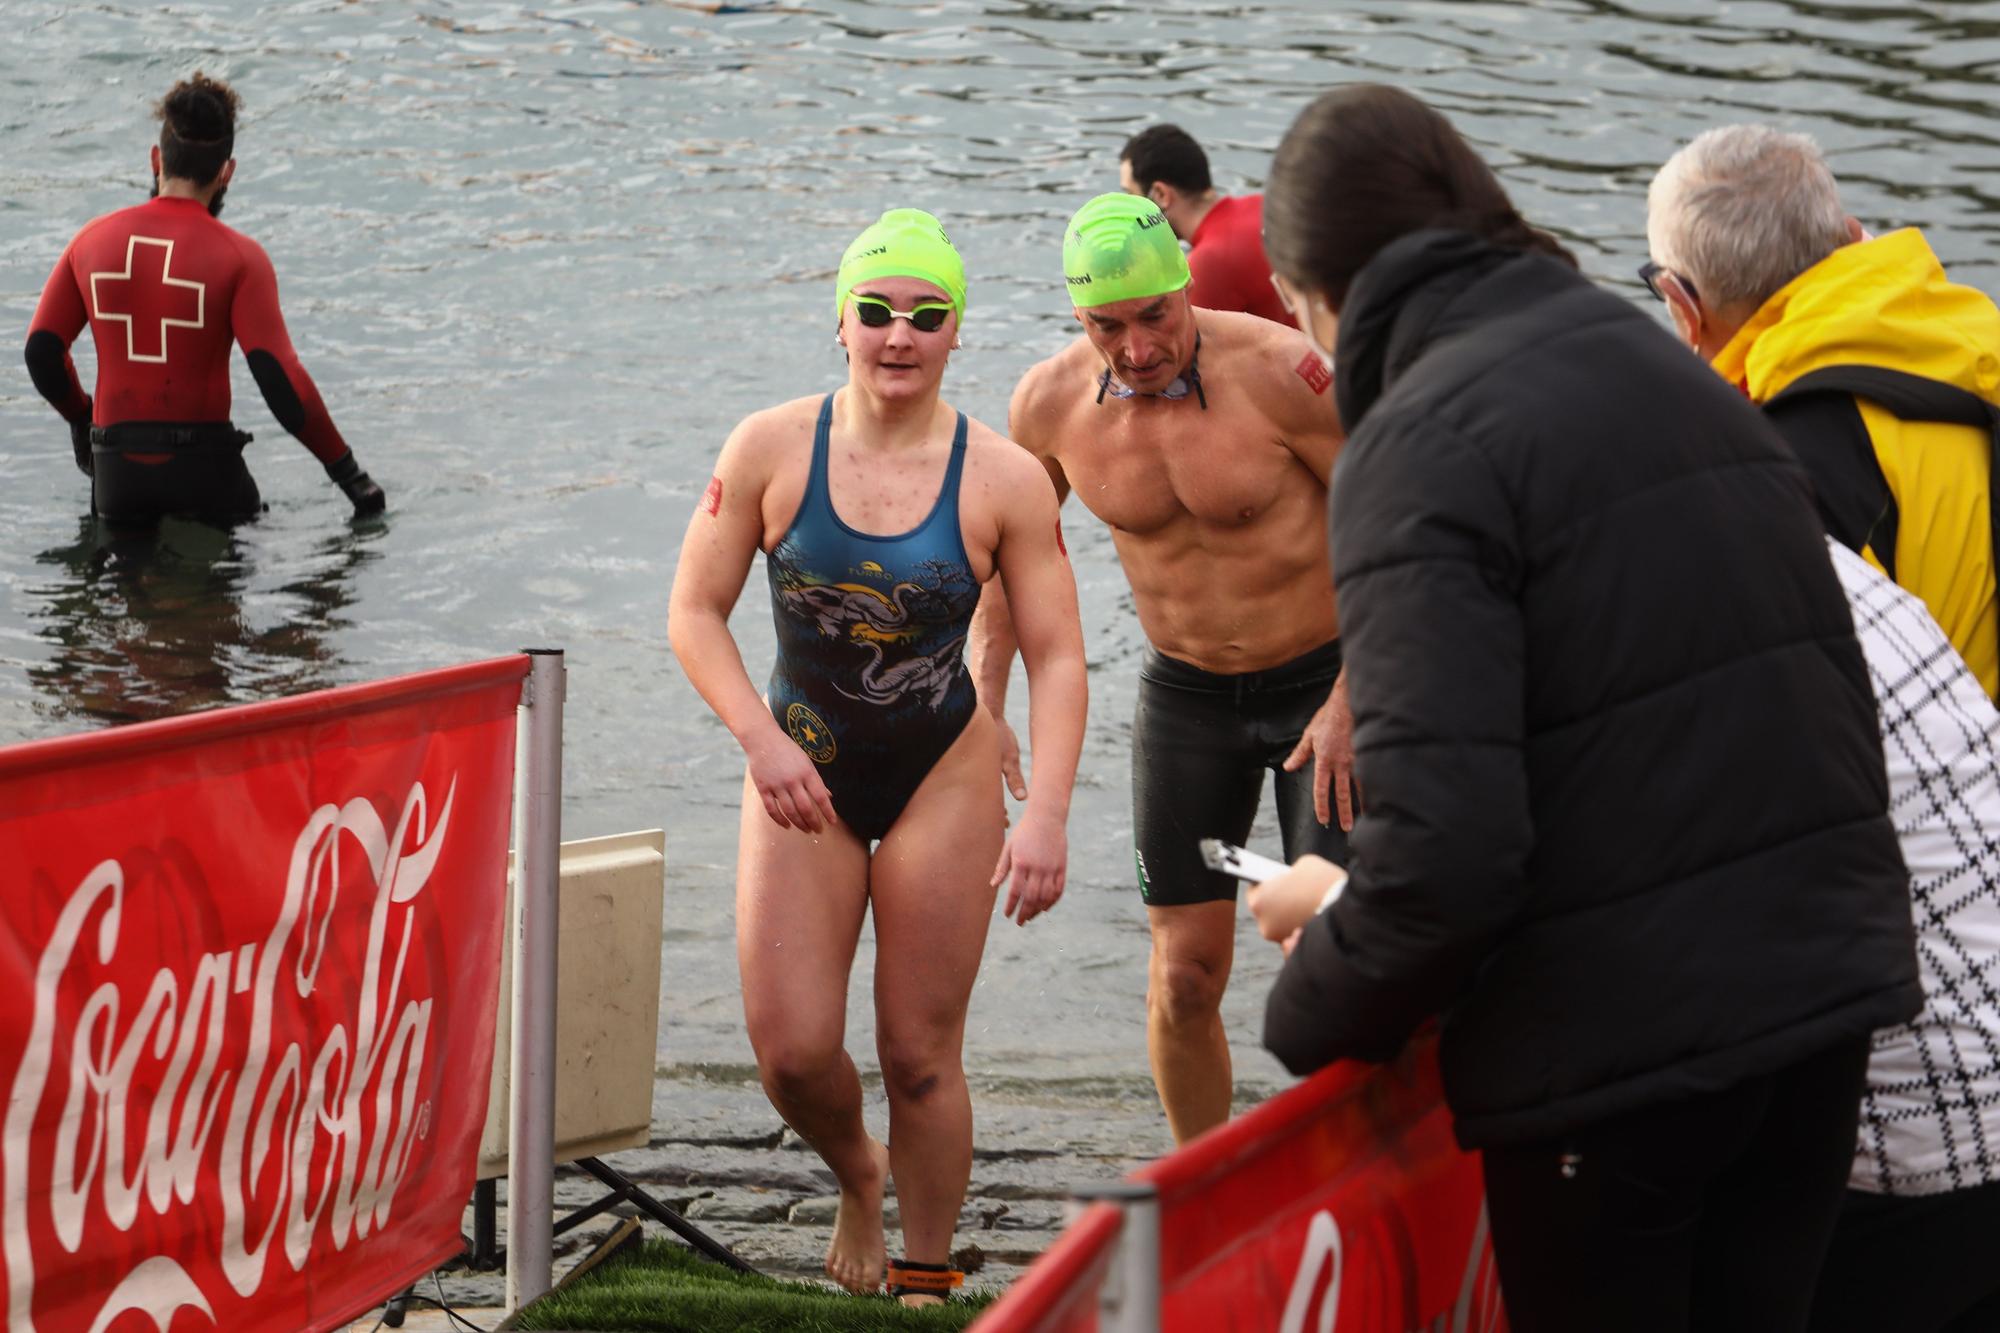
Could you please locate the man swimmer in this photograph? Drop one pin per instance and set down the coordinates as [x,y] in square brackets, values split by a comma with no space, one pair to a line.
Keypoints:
[165,288]
[872,731]
[1203,439]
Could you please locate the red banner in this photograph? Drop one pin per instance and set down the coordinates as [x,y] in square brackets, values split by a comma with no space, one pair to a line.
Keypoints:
[1342,1205]
[249,985]
[1346,1192]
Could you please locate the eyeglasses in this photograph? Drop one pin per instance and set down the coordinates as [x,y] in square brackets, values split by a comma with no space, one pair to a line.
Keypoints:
[927,317]
[1651,273]
[1284,295]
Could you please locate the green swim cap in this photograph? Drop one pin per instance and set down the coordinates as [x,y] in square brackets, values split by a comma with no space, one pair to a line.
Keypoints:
[1118,247]
[902,243]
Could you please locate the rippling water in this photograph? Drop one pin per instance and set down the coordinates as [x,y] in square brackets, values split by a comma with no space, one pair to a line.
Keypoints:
[540,259]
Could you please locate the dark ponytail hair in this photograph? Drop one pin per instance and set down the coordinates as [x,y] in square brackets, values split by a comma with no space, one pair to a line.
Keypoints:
[197,128]
[1366,164]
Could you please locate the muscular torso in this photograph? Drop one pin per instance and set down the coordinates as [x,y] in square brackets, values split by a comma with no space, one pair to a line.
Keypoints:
[1220,525]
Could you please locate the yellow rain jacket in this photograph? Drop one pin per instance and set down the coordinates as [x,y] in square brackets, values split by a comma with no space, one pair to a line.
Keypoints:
[1923,512]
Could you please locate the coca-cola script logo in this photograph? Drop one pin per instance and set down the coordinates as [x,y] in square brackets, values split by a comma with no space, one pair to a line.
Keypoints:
[251,1094]
[1477,1310]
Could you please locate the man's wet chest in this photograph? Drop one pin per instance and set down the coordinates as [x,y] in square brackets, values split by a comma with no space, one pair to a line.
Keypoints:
[1140,476]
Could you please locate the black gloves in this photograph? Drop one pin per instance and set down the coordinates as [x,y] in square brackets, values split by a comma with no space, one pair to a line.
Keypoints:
[360,487]
[79,439]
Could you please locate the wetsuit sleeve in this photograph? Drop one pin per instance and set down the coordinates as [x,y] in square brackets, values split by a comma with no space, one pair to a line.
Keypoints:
[59,318]
[1427,560]
[259,329]
[1827,433]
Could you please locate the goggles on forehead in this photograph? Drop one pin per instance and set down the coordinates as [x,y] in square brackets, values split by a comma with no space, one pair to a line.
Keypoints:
[925,317]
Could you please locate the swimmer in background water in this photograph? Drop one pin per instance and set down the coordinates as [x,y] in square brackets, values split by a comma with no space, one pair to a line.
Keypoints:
[880,512]
[165,288]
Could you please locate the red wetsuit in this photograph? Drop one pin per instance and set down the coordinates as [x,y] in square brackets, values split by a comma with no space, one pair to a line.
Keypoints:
[165,288]
[1226,255]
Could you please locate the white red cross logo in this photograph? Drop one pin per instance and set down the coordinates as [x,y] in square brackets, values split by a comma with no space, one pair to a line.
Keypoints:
[144,277]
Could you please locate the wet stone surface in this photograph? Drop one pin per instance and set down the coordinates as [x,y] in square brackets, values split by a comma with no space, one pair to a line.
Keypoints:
[724,1161]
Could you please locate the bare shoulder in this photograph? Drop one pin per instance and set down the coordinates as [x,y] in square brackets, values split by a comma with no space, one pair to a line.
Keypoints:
[1254,346]
[1045,395]
[770,432]
[1273,360]
[992,460]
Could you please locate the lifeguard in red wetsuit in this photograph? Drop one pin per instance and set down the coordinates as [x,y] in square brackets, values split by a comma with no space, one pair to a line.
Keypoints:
[1224,233]
[165,289]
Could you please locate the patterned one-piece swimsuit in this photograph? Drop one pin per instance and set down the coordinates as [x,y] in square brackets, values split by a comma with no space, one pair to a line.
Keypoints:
[870,679]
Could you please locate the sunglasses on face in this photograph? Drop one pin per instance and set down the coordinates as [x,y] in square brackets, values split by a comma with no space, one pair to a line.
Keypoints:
[926,317]
[1651,273]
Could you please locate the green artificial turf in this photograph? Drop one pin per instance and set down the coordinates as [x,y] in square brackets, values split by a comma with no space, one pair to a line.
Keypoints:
[662,1287]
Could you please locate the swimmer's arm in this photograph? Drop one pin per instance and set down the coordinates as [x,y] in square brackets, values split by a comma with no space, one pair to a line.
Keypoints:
[1032,422]
[722,539]
[59,318]
[1030,558]
[1032,561]
[259,328]
[993,642]
[1300,399]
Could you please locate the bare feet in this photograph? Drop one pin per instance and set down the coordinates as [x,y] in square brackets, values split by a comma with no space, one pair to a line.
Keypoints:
[858,1252]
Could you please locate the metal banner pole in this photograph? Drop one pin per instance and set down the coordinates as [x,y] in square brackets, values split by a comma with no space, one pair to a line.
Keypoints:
[1129,1301]
[531,1126]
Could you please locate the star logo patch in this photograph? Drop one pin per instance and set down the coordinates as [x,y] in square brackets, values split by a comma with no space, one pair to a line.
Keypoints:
[810,733]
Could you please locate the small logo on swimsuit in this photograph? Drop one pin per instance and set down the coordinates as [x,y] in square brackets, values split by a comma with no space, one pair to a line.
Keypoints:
[810,733]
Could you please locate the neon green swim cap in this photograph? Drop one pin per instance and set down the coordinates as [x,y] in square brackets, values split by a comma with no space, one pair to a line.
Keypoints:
[1118,247]
[902,243]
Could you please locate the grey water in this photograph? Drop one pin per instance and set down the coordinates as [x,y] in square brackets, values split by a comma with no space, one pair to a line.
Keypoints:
[540,258]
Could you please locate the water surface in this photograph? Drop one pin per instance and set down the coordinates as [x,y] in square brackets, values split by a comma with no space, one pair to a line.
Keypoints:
[540,259]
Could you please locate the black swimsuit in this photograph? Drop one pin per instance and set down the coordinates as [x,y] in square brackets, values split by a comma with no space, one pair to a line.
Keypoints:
[870,679]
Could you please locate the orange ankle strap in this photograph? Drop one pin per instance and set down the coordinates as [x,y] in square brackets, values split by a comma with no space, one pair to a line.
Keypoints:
[905,1276]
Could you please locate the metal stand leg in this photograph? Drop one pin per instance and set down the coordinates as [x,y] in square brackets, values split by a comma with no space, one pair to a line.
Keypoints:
[625,1189]
[486,1255]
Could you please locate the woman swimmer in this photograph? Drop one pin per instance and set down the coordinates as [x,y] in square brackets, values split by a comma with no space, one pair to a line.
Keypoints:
[871,733]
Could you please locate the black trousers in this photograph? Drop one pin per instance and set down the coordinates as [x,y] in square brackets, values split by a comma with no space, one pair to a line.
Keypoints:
[140,473]
[1927,1263]
[1698,1216]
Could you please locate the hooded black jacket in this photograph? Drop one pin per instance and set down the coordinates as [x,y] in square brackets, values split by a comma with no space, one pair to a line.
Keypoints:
[1623,790]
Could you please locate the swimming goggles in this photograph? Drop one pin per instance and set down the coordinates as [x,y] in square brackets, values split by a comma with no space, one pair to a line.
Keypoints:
[1188,382]
[926,317]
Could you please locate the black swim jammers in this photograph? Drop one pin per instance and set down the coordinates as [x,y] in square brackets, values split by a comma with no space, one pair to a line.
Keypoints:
[1201,743]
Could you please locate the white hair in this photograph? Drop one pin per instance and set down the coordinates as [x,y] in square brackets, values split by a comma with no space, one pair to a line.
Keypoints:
[1741,211]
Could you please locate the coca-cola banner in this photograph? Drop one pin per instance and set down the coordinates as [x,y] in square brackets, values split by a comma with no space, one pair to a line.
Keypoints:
[1341,1205]
[247,994]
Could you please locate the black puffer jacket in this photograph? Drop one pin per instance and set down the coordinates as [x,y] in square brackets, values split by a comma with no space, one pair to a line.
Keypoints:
[1624,796]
